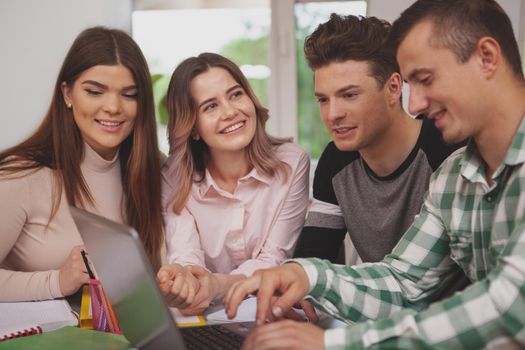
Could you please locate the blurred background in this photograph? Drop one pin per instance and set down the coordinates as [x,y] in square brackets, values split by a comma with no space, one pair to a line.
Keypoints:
[264,37]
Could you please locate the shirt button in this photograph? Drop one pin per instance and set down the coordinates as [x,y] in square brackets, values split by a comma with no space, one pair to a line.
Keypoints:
[489,198]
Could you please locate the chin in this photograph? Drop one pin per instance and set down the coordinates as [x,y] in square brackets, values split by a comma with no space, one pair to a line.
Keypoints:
[451,139]
[345,147]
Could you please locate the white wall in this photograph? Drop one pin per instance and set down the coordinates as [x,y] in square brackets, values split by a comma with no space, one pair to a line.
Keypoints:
[34,38]
[391,9]
[35,35]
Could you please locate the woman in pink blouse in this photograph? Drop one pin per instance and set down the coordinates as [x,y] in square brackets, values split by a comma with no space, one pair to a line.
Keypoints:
[234,198]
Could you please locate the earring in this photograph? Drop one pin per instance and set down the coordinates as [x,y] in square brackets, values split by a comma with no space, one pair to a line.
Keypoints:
[196,137]
[68,105]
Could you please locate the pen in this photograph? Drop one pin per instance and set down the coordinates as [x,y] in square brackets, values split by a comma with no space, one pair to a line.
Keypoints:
[86,262]
[96,289]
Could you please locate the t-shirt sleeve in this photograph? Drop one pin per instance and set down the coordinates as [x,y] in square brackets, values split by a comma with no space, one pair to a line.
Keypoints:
[325,229]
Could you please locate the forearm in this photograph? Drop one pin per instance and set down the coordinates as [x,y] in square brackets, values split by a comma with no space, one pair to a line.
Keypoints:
[474,318]
[409,277]
[27,286]
[224,282]
[350,292]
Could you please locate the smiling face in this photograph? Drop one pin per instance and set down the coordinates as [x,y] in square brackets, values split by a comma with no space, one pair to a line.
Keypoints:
[226,117]
[104,104]
[443,89]
[352,105]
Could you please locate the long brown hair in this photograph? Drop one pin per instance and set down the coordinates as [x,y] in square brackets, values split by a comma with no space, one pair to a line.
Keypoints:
[188,156]
[57,143]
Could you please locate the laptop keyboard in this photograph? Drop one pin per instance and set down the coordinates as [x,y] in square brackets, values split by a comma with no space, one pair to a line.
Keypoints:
[212,337]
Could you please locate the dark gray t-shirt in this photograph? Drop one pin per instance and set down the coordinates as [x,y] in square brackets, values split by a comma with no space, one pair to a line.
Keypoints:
[375,211]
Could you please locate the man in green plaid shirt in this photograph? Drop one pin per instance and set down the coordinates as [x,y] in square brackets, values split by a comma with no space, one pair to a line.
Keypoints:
[462,62]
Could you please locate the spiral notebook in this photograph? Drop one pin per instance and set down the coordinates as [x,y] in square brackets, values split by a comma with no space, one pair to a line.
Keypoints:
[34,317]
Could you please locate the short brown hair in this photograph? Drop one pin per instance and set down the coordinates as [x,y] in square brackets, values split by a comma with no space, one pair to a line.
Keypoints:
[344,38]
[458,25]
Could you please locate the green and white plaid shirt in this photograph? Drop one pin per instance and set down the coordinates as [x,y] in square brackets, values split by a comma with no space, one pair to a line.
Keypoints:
[464,222]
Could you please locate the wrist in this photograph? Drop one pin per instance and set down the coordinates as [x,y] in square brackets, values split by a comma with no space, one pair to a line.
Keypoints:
[223,282]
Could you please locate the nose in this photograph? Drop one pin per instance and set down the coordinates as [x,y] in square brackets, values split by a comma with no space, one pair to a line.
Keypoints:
[334,112]
[417,101]
[112,104]
[229,110]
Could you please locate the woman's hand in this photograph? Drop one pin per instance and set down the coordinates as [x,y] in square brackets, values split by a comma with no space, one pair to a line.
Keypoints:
[208,286]
[73,273]
[178,285]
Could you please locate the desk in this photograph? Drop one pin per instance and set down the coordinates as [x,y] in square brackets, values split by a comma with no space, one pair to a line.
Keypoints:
[68,338]
[82,339]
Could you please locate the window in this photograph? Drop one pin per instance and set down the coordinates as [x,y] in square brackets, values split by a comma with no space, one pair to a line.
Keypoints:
[264,37]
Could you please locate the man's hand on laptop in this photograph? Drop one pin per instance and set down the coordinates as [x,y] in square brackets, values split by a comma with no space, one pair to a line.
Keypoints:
[178,285]
[289,282]
[285,334]
[308,310]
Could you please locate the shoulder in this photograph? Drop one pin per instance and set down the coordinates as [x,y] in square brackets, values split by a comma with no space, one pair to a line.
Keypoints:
[28,185]
[451,167]
[333,160]
[36,175]
[291,153]
[289,149]
[167,179]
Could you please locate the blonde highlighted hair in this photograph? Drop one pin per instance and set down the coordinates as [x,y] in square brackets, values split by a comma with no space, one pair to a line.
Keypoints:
[189,156]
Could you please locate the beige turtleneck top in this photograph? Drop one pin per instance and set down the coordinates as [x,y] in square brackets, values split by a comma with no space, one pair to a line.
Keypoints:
[31,254]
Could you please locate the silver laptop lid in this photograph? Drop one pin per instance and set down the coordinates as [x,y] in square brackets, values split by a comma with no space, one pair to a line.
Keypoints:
[129,281]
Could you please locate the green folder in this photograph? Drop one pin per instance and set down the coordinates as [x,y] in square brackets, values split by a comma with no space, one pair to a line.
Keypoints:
[68,338]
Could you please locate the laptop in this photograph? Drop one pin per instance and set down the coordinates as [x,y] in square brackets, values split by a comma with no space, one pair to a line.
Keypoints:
[131,286]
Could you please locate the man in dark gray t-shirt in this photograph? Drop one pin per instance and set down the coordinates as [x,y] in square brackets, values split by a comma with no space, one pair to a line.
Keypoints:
[371,180]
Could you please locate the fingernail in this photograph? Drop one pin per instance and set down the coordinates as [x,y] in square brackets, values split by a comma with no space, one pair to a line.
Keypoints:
[277,312]
[260,322]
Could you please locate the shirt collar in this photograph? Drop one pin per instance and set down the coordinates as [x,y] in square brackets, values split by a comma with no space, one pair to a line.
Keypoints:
[208,183]
[516,153]
[473,167]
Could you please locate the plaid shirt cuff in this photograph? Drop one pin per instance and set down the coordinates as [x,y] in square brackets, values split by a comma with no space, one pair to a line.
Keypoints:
[315,269]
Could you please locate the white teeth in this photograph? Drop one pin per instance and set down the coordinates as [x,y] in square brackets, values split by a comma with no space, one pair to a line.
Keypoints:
[107,123]
[233,127]
[342,130]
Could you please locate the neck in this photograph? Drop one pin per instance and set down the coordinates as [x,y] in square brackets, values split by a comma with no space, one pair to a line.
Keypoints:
[227,168]
[394,145]
[501,123]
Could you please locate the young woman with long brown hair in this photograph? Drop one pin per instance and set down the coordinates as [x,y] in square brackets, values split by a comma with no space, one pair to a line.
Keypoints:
[95,149]
[234,197]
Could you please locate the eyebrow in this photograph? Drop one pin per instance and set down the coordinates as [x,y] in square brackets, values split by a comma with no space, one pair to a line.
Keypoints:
[236,86]
[343,89]
[417,71]
[102,86]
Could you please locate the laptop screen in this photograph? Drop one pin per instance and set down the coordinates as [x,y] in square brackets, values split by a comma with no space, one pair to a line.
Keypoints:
[128,280]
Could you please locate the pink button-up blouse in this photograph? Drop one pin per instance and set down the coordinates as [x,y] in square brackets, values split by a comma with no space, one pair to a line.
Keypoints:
[255,227]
